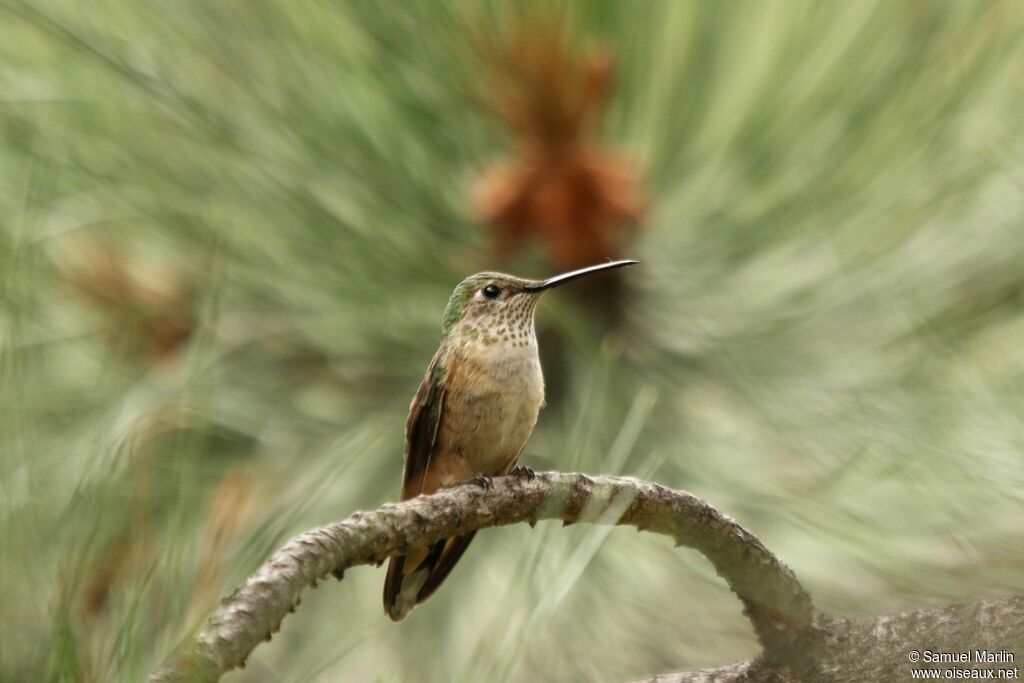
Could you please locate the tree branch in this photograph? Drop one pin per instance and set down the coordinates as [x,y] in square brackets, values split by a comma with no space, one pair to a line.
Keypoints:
[878,649]
[776,604]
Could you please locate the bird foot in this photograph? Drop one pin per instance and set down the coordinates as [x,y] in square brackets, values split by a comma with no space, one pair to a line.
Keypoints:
[481,480]
[523,472]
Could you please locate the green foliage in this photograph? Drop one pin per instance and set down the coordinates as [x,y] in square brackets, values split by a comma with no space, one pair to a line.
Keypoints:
[823,337]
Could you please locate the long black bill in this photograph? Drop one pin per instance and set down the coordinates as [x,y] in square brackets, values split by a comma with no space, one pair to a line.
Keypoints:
[573,274]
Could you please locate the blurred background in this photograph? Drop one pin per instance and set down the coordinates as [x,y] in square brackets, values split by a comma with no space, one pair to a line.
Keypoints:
[228,231]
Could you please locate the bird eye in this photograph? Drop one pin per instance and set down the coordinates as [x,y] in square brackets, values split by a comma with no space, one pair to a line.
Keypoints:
[492,291]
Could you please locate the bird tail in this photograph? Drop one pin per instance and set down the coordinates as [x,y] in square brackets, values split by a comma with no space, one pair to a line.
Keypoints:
[411,580]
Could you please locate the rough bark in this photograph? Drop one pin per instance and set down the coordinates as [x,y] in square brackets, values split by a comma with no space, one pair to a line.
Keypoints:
[775,602]
[798,644]
[879,649]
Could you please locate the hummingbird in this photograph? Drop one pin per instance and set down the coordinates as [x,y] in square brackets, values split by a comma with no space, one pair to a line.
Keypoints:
[473,413]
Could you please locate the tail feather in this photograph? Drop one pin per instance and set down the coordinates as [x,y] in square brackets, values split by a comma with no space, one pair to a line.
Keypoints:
[453,552]
[406,588]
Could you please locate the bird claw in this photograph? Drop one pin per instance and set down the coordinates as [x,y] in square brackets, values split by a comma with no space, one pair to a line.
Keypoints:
[481,480]
[523,472]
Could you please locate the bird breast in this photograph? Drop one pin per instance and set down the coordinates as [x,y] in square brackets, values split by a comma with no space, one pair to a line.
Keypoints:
[493,397]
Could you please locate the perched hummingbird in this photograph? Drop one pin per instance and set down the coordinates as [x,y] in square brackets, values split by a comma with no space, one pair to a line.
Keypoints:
[474,411]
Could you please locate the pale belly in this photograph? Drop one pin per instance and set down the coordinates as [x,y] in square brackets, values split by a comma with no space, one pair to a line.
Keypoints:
[489,413]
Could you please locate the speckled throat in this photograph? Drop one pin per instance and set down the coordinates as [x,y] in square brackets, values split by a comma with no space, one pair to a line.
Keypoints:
[511,326]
